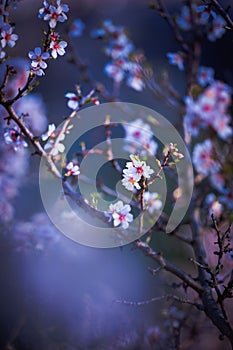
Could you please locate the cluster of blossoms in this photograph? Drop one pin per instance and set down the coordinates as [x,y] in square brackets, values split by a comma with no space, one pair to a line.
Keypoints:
[139,138]
[124,61]
[120,214]
[209,111]
[134,172]
[205,17]
[56,46]
[7,37]
[211,24]
[206,162]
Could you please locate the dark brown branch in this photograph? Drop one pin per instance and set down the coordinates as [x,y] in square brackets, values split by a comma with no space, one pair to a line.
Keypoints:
[168,266]
[165,14]
[212,309]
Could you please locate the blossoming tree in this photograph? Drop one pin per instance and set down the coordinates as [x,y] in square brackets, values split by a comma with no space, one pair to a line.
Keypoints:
[138,210]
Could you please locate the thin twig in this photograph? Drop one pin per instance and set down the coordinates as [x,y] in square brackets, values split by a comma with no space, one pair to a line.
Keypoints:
[167,297]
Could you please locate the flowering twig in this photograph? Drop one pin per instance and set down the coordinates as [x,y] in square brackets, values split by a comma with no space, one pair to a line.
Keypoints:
[223,13]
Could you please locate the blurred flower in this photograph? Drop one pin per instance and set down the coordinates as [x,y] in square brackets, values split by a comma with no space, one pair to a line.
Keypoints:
[217,29]
[139,138]
[217,181]
[176,60]
[152,201]
[76,28]
[205,75]
[8,38]
[209,110]
[15,138]
[203,158]
[221,125]
[213,204]
[205,12]
[134,78]
[184,20]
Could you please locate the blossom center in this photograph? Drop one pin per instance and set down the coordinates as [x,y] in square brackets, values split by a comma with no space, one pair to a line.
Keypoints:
[121,217]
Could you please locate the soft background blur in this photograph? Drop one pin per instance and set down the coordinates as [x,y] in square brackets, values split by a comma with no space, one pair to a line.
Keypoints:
[65,295]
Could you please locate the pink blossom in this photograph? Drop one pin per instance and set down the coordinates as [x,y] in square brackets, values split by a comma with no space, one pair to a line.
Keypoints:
[130,180]
[38,58]
[58,48]
[8,38]
[54,14]
[121,214]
